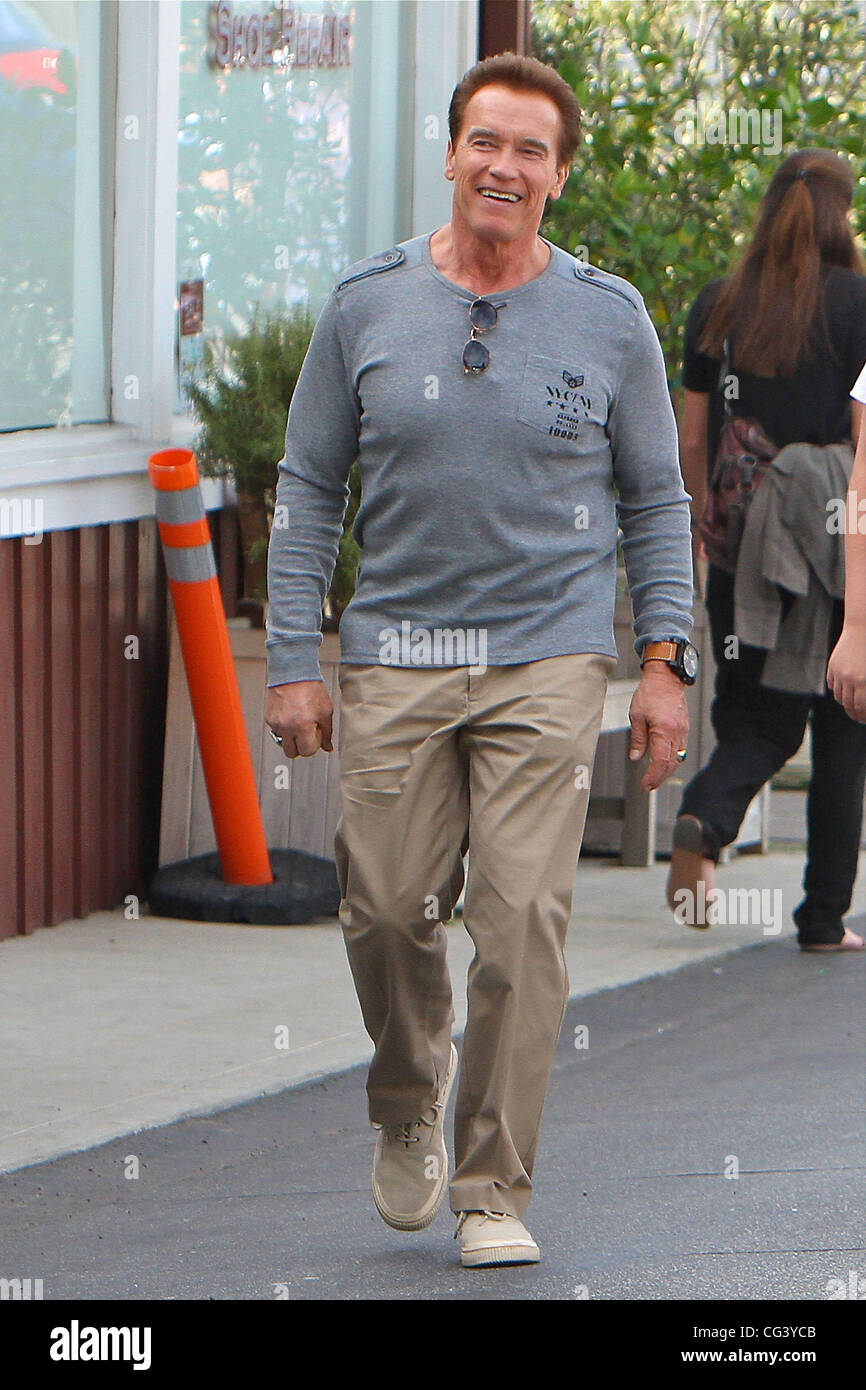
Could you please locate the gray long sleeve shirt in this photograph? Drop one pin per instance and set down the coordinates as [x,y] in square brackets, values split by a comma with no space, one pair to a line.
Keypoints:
[490,503]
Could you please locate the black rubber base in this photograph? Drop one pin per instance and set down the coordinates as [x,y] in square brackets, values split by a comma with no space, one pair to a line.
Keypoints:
[304,887]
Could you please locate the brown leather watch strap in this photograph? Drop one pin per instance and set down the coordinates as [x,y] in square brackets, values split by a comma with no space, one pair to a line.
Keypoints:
[659,651]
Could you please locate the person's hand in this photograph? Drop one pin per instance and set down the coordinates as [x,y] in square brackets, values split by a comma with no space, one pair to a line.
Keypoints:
[301,714]
[846,673]
[659,719]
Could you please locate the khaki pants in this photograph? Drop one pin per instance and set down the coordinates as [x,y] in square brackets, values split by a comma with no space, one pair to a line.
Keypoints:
[435,762]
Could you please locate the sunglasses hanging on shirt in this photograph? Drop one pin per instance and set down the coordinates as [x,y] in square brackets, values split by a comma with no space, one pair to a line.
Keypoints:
[482,317]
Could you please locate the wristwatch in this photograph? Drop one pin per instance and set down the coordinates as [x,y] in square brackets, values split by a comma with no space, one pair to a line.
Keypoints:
[681,656]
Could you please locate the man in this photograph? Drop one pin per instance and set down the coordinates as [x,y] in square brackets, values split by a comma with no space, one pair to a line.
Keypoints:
[496,393]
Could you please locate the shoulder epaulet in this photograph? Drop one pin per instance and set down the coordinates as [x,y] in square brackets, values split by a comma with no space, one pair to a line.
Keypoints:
[372,265]
[602,279]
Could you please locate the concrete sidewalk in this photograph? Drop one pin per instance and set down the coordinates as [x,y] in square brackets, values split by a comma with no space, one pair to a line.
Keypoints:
[111,1026]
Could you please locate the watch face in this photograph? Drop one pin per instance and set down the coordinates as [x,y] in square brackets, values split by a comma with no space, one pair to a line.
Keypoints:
[690,660]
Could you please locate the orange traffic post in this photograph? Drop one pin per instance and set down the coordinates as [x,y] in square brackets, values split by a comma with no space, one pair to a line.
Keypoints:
[210,672]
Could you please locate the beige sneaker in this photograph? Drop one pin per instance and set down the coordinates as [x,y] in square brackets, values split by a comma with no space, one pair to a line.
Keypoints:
[494,1238]
[410,1165]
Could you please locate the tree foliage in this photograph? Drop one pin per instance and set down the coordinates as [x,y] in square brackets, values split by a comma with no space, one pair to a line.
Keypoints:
[646,202]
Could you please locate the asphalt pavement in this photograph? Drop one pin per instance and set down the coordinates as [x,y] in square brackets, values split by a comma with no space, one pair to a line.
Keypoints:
[707,1144]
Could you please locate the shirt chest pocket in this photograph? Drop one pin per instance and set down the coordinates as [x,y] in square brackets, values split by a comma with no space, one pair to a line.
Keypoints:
[561,401]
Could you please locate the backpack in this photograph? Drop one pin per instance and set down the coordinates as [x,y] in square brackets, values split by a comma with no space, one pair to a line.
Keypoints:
[744,454]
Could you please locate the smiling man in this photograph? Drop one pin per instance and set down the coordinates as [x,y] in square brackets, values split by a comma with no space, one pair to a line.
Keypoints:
[508,406]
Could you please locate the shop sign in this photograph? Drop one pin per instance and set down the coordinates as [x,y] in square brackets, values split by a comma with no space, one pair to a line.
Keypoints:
[282,36]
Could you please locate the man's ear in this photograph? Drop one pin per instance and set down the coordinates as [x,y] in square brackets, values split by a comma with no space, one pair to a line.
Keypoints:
[556,191]
[449,161]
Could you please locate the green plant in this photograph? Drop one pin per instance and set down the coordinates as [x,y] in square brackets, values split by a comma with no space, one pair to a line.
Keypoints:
[241,403]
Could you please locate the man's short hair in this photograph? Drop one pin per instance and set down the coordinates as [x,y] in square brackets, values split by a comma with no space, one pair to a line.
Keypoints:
[521,75]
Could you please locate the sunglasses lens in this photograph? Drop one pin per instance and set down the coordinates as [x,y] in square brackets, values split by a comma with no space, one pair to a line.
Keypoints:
[482,315]
[475,356]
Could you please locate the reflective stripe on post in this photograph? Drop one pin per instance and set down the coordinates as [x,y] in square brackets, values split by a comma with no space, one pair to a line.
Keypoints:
[189,565]
[210,672]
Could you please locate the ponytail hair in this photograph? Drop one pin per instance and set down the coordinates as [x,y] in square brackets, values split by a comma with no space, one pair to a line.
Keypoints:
[773,296]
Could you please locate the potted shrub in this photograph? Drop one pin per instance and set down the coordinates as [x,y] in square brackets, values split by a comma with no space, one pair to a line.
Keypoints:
[241,402]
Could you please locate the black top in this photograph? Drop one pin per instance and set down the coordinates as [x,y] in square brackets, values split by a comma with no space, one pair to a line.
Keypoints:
[814,405]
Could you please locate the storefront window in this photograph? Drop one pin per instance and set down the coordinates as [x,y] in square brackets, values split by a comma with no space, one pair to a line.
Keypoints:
[57,58]
[287,158]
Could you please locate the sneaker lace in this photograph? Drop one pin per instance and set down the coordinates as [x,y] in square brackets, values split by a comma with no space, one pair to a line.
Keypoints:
[402,1133]
[491,1215]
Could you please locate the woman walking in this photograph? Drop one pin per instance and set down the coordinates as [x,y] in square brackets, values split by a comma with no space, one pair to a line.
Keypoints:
[793,319]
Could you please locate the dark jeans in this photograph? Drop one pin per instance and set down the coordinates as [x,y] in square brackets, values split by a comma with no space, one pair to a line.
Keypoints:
[757,731]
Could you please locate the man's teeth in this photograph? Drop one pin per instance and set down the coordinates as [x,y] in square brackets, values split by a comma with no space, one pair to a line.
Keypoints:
[502,197]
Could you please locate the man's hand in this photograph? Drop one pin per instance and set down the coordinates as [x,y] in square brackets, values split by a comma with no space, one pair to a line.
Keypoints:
[301,713]
[659,719]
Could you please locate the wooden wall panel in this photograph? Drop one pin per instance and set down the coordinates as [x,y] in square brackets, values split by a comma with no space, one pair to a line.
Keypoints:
[91,812]
[33,645]
[82,726]
[153,613]
[121,674]
[10,699]
[129,856]
[63,724]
